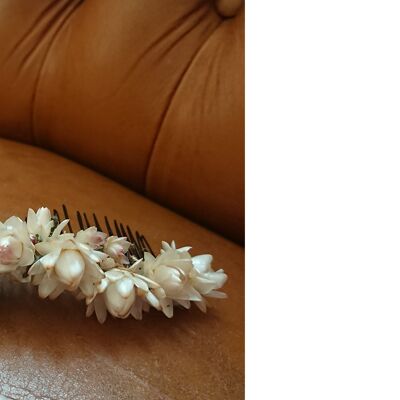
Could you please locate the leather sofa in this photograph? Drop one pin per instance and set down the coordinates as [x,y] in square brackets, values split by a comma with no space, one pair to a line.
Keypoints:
[131,109]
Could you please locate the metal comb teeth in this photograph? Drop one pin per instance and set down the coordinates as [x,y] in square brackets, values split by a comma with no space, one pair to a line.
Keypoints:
[139,246]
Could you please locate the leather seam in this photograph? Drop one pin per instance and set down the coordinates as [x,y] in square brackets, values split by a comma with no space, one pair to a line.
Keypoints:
[41,69]
[170,101]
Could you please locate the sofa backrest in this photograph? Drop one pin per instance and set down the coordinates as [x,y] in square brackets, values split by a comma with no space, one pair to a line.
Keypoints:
[147,92]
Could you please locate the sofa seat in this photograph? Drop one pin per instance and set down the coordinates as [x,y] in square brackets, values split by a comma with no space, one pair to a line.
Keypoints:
[50,350]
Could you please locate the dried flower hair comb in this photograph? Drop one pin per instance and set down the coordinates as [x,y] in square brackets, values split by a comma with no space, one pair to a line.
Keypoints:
[108,271]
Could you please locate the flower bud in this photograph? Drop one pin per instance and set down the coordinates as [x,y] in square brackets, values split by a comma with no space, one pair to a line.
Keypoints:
[39,223]
[16,248]
[10,250]
[120,296]
[70,267]
[92,237]
[116,248]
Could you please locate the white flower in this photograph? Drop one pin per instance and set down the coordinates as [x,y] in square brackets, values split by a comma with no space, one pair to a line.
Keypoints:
[205,279]
[39,224]
[183,278]
[95,268]
[66,264]
[122,292]
[201,270]
[117,247]
[165,246]
[92,237]
[16,248]
[172,270]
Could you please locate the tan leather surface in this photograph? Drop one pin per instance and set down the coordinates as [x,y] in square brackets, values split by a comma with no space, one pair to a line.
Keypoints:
[121,86]
[198,143]
[49,350]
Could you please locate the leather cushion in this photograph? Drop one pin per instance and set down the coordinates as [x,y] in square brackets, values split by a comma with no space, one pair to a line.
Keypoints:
[156,86]
[48,349]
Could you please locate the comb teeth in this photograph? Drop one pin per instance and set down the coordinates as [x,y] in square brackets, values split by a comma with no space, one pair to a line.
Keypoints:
[139,244]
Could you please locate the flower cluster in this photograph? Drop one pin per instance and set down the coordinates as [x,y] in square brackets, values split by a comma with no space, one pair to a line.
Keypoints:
[96,267]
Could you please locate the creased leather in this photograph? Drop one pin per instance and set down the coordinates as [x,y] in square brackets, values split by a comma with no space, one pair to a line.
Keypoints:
[147,92]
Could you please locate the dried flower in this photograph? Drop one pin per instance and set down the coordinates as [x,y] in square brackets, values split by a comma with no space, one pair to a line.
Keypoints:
[118,292]
[16,248]
[116,247]
[92,237]
[39,224]
[66,264]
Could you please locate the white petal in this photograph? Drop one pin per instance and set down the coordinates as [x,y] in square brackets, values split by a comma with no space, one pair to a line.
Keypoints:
[125,287]
[217,295]
[165,246]
[60,228]
[204,285]
[140,283]
[70,267]
[81,237]
[102,286]
[46,229]
[149,282]
[67,240]
[202,263]
[100,309]
[219,278]
[184,303]
[136,263]
[31,222]
[7,268]
[202,305]
[49,260]
[136,310]
[37,268]
[188,293]
[152,300]
[87,286]
[184,249]
[14,222]
[27,258]
[148,257]
[97,256]
[43,215]
[114,274]
[92,269]
[89,310]
[116,304]
[159,292]
[47,286]
[167,307]
[44,248]
[12,248]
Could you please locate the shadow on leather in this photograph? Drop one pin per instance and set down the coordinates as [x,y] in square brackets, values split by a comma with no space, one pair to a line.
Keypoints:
[58,328]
